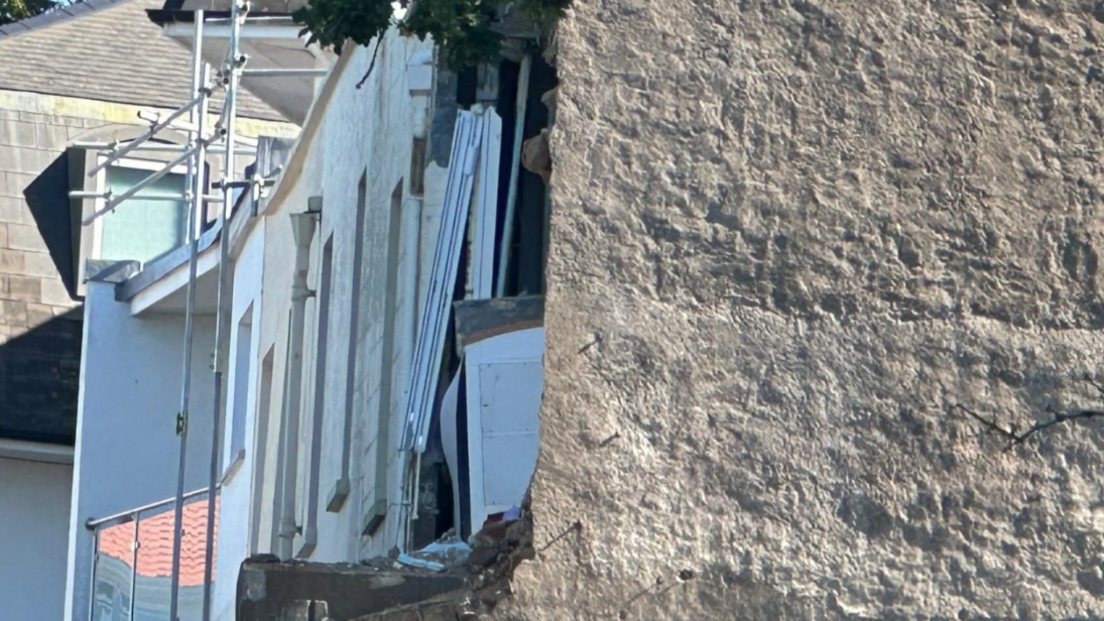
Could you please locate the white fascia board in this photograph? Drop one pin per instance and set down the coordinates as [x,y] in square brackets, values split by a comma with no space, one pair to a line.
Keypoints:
[36,451]
[284,31]
[174,280]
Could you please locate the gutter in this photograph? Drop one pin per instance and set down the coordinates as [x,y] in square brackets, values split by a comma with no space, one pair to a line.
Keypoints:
[163,17]
[35,451]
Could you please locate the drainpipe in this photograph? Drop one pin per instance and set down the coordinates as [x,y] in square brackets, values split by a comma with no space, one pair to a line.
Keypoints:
[302,227]
[412,241]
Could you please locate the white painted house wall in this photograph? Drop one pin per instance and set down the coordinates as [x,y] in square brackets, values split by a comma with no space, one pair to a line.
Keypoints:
[237,476]
[371,130]
[127,449]
[355,131]
[34,524]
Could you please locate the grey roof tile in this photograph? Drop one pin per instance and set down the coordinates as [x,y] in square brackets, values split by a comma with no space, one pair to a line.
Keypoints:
[107,51]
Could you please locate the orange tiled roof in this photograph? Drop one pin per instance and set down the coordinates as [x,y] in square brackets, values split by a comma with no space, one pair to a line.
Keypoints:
[156,536]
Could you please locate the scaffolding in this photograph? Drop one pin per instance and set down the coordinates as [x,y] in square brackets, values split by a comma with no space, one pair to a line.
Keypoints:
[220,138]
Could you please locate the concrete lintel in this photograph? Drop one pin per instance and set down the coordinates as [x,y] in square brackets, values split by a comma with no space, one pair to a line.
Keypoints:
[273,590]
[481,319]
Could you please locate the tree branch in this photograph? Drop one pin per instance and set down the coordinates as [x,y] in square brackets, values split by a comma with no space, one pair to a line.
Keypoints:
[372,64]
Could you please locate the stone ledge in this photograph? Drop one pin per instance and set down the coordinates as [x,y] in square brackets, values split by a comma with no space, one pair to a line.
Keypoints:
[273,590]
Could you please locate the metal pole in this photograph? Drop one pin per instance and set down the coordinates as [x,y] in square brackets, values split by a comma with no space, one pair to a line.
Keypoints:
[199,85]
[92,577]
[134,144]
[284,73]
[155,197]
[109,147]
[134,564]
[515,171]
[235,63]
[124,516]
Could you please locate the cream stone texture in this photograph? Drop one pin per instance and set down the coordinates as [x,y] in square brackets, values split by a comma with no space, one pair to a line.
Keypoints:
[788,238]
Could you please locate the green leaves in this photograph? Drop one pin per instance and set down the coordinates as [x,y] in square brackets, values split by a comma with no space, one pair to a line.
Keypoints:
[15,10]
[332,22]
[462,28]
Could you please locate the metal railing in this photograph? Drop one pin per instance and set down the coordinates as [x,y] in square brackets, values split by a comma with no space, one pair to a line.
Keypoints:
[132,561]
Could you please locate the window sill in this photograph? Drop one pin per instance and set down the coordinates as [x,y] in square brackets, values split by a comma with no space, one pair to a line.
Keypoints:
[374,518]
[233,468]
[338,494]
[310,541]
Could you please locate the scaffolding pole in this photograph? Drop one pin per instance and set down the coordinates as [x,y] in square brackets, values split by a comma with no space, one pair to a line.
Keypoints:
[213,148]
[156,126]
[195,148]
[235,63]
[199,87]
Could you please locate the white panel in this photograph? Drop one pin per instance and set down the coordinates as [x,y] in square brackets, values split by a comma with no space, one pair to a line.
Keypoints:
[485,208]
[505,380]
[446,257]
[508,398]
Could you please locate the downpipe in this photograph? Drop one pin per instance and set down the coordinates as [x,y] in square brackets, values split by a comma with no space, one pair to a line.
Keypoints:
[303,226]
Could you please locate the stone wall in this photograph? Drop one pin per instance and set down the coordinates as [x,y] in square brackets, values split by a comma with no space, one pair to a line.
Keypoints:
[39,338]
[823,225]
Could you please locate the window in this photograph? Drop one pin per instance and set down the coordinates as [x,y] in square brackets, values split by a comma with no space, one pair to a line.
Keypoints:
[322,320]
[243,347]
[378,510]
[141,229]
[340,490]
[260,443]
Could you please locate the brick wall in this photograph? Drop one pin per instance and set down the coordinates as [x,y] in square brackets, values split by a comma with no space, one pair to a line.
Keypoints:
[40,324]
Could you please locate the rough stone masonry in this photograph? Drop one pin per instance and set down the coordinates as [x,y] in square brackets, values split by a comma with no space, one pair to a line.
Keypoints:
[787,239]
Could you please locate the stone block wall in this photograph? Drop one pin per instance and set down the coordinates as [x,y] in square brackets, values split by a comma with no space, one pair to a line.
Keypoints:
[40,322]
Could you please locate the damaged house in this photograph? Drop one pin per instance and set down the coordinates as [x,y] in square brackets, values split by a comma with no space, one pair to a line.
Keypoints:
[681,310]
[380,283]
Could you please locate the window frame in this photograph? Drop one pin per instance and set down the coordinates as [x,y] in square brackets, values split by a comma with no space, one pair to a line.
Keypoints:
[131,163]
[87,240]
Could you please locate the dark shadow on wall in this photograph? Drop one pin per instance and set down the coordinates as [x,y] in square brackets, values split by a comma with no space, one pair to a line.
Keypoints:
[39,380]
[48,199]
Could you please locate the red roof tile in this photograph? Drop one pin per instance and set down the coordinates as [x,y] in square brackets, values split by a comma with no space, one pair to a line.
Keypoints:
[156,536]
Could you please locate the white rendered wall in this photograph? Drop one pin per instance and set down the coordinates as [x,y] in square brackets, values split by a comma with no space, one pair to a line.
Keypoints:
[127,450]
[235,509]
[368,129]
[34,520]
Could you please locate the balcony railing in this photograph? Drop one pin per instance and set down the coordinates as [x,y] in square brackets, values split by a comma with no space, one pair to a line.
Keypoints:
[132,561]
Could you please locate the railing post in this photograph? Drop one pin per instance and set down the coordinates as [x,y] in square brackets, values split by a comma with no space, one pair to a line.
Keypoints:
[92,577]
[134,564]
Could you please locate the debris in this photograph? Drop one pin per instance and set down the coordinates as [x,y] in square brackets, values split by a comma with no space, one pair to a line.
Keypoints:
[450,551]
[411,561]
[536,157]
[446,552]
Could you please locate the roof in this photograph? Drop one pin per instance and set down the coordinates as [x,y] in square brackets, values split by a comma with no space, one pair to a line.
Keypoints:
[155,532]
[183,10]
[105,50]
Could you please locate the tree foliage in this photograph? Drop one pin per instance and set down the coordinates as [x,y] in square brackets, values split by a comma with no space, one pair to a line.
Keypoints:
[462,28]
[15,10]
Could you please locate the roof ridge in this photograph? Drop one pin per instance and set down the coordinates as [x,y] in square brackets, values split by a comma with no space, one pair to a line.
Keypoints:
[60,13]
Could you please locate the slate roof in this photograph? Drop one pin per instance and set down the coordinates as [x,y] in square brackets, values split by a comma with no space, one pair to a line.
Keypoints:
[106,50]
